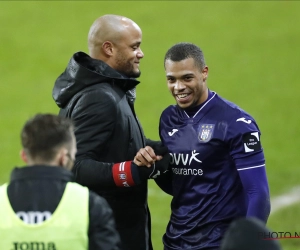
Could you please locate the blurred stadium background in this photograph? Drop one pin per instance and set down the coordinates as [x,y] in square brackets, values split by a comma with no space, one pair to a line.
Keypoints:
[251,48]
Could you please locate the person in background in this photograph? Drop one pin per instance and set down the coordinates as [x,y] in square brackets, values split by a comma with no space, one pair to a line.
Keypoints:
[97,91]
[249,234]
[217,171]
[41,208]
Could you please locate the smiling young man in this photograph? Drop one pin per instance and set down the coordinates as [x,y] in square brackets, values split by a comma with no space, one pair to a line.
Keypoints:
[97,91]
[217,170]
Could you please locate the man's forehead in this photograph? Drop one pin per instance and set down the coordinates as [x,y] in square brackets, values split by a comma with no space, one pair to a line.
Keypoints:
[187,63]
[179,73]
[134,35]
[183,67]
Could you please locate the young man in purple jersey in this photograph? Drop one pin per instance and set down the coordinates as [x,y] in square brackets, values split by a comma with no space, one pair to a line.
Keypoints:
[217,172]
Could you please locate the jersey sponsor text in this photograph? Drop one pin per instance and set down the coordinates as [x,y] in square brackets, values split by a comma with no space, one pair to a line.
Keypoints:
[184,159]
[187,171]
[34,246]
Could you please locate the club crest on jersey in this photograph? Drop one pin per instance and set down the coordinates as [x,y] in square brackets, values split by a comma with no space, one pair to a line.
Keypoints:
[205,132]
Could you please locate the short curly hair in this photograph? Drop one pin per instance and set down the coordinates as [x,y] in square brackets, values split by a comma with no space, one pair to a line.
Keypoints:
[44,134]
[181,51]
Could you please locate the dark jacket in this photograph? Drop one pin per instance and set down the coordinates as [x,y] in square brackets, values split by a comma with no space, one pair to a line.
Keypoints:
[101,103]
[40,188]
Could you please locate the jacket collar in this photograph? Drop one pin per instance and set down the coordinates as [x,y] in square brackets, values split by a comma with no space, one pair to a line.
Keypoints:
[41,172]
[83,71]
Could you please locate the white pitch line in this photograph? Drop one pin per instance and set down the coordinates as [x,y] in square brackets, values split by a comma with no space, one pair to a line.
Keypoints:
[285,200]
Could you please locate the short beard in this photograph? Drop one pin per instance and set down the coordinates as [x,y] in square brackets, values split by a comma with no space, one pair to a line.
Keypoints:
[126,68]
[134,74]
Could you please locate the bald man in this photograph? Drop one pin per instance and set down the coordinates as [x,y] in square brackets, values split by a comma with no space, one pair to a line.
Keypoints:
[98,92]
[116,41]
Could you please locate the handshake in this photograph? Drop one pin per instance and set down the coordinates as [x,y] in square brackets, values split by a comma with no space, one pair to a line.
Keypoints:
[151,161]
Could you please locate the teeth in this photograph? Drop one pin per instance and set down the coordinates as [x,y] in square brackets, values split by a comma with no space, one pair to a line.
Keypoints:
[182,95]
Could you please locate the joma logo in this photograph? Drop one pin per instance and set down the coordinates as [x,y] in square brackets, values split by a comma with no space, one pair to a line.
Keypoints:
[33,246]
[184,159]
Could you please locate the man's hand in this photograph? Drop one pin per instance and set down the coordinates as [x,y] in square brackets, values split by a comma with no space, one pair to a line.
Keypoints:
[149,164]
[146,157]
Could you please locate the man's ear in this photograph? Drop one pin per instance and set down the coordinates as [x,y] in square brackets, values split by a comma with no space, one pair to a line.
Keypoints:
[205,73]
[23,156]
[62,158]
[108,48]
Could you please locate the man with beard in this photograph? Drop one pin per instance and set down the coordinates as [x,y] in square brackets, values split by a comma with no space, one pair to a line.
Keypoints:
[98,92]
[42,208]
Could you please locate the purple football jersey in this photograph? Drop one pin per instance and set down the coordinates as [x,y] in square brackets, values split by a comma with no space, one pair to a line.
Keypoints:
[208,150]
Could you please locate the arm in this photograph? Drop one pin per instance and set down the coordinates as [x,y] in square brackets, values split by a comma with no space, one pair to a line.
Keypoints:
[102,232]
[165,182]
[254,181]
[248,155]
[95,115]
[153,144]
[150,165]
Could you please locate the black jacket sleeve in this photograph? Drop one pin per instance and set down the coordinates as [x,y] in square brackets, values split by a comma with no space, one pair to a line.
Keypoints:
[152,143]
[94,121]
[165,182]
[157,146]
[102,233]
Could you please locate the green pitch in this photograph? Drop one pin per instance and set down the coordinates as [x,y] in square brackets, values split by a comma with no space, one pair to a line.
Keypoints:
[251,48]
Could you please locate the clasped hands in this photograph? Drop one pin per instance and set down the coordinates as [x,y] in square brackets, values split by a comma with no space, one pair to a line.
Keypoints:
[152,161]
